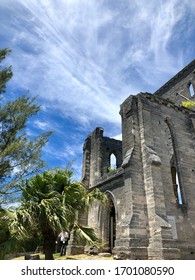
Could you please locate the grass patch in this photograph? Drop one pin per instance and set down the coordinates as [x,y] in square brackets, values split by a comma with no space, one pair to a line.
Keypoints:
[71,257]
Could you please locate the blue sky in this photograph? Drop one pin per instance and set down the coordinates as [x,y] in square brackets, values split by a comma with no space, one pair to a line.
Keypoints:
[82,58]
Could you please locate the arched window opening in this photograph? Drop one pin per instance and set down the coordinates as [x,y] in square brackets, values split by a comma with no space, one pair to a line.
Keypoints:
[191,90]
[112,162]
[180,200]
[176,185]
[175,164]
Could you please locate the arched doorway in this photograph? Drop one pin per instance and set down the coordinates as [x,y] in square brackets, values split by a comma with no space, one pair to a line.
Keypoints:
[111,220]
[107,222]
[112,226]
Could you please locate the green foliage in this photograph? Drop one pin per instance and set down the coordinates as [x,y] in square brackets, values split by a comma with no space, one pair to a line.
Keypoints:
[110,169]
[20,155]
[85,234]
[6,73]
[188,104]
[9,239]
[8,242]
[95,195]
[50,203]
[15,147]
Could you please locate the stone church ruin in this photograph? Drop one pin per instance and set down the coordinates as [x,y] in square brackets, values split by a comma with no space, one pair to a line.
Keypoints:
[152,189]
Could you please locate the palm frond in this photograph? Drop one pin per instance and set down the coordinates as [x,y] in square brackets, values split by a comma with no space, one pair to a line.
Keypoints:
[96,195]
[10,246]
[85,234]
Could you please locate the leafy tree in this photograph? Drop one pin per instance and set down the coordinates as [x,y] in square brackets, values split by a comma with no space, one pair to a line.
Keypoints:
[50,203]
[19,154]
[6,73]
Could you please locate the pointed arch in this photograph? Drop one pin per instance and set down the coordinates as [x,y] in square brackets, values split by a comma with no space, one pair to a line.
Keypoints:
[191,89]
[176,183]
[175,166]
[112,218]
[113,161]
[113,200]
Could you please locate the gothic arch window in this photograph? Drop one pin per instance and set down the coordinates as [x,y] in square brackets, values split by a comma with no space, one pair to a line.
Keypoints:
[175,167]
[176,185]
[191,89]
[113,164]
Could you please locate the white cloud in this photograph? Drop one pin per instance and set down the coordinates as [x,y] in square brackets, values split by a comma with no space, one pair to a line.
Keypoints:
[83,58]
[42,125]
[118,137]
[76,52]
[153,28]
[68,152]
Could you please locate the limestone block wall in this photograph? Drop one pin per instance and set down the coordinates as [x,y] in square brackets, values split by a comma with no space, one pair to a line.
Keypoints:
[130,212]
[180,83]
[96,156]
[181,217]
[152,191]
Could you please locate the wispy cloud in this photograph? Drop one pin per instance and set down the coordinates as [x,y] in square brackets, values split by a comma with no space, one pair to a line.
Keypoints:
[80,54]
[154,28]
[42,125]
[64,154]
[83,58]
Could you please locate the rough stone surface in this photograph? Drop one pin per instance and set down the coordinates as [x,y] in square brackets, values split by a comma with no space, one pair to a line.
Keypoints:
[148,218]
[105,255]
[31,257]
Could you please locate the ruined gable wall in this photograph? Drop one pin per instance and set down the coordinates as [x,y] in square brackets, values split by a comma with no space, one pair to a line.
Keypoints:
[156,133]
[111,146]
[179,84]
[96,156]
[155,115]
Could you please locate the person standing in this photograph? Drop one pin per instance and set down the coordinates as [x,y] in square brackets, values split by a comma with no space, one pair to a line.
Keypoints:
[63,237]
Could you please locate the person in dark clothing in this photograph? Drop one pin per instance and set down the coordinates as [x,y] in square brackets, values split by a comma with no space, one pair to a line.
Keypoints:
[63,237]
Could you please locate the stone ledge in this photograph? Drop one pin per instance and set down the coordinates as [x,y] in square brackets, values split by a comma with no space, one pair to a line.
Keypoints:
[109,177]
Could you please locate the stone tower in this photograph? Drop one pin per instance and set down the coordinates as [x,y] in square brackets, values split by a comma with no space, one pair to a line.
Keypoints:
[152,190]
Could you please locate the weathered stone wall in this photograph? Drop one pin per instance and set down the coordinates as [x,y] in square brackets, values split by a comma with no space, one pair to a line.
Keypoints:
[156,120]
[152,219]
[96,156]
[137,240]
[185,148]
[180,83]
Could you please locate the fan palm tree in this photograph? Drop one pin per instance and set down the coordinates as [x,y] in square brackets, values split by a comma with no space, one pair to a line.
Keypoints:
[50,203]
[7,241]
